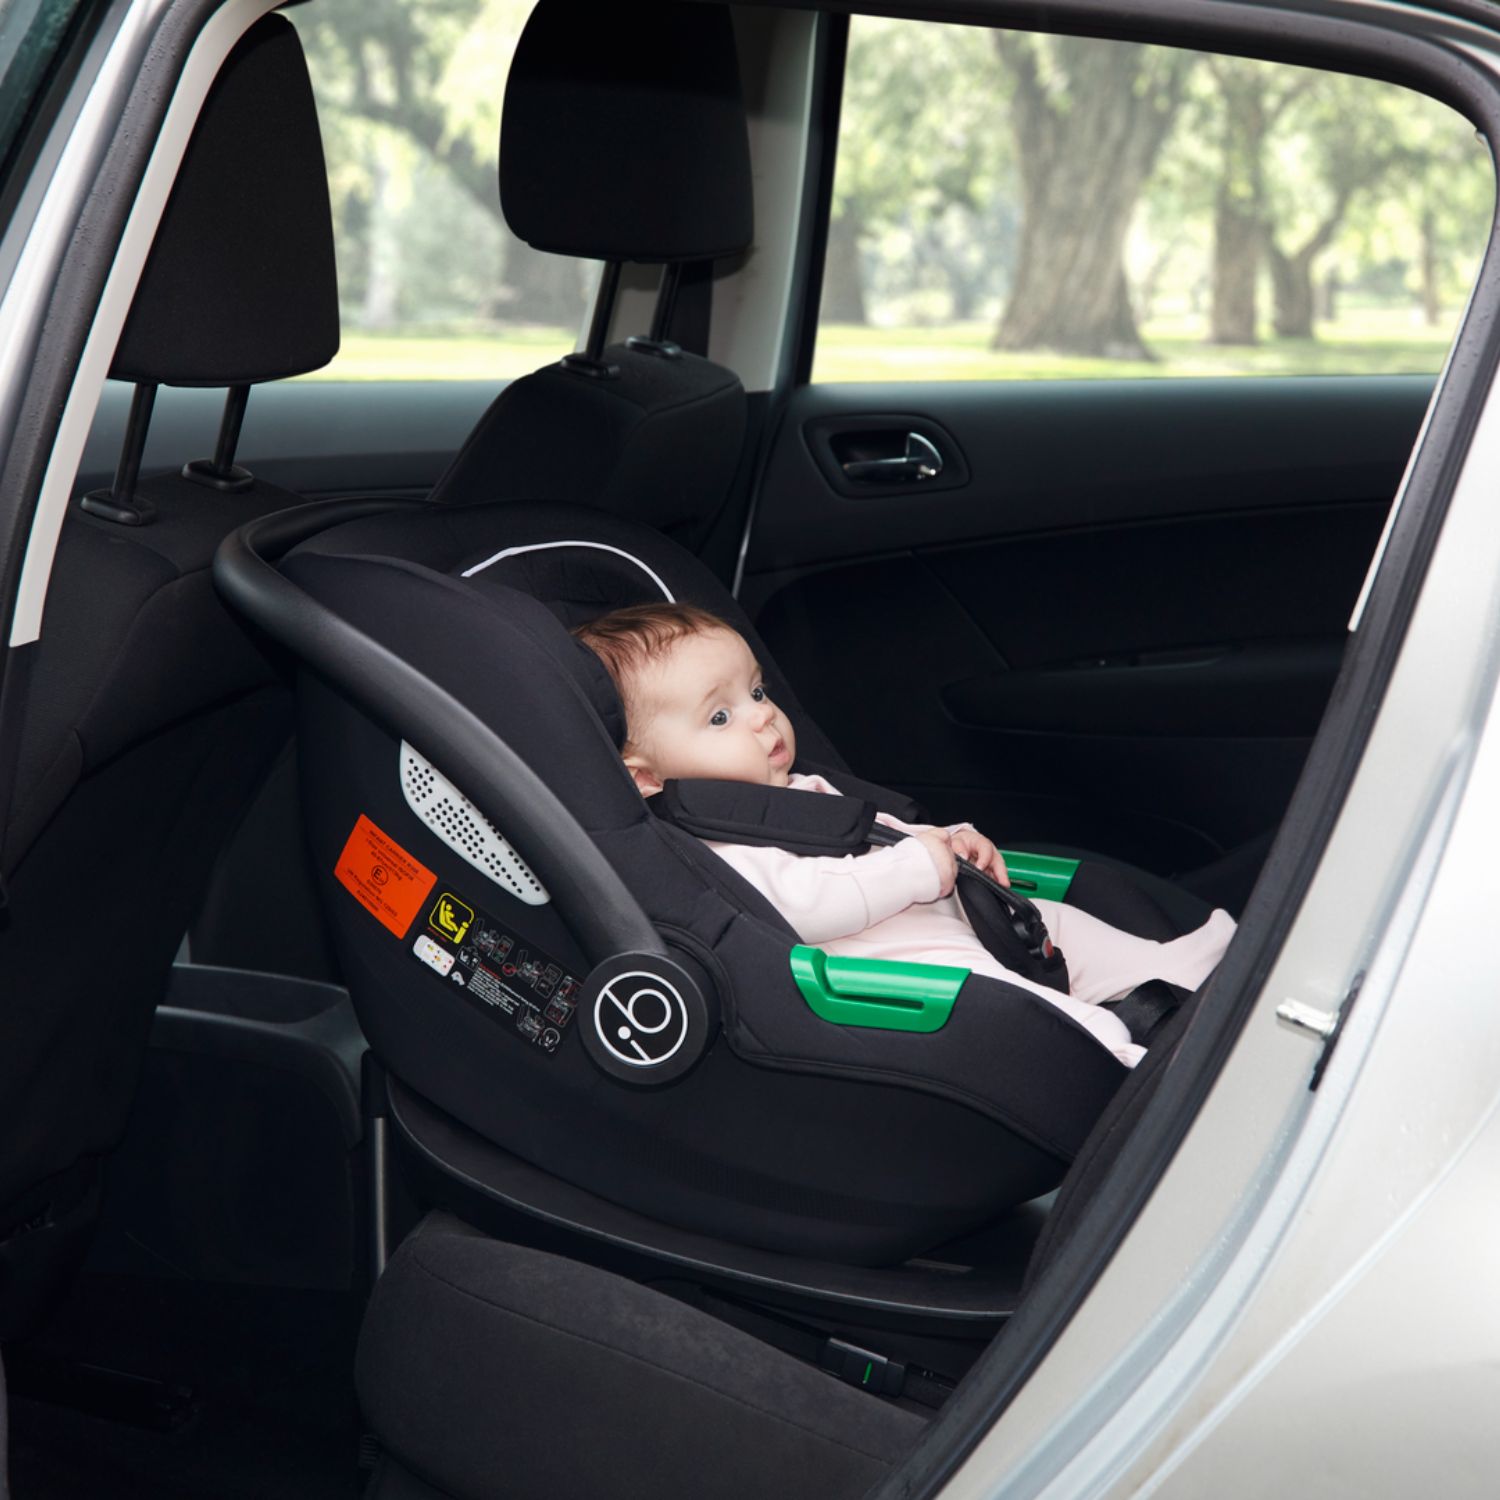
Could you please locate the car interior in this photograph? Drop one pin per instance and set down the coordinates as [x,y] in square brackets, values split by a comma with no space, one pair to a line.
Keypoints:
[427,1116]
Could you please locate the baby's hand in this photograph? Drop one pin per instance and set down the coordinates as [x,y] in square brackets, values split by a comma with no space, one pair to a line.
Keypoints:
[935,841]
[971,844]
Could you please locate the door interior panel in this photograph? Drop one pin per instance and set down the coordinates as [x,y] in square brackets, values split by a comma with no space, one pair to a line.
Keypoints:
[1119,632]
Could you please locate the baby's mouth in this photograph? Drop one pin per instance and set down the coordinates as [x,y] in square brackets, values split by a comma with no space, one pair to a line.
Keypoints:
[778,756]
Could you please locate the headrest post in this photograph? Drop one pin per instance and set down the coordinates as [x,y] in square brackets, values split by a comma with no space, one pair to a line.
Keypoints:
[118,503]
[591,361]
[666,300]
[221,472]
[661,320]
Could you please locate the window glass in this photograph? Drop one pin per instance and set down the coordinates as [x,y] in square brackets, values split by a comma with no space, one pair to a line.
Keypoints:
[432,285]
[31,32]
[1008,204]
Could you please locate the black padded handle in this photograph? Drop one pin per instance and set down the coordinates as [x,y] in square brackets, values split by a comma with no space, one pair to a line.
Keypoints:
[590,896]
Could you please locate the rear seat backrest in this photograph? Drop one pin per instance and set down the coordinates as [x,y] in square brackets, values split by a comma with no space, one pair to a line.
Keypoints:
[151,714]
[623,139]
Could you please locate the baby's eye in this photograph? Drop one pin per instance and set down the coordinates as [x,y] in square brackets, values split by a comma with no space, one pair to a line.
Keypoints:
[719,718]
[758,692]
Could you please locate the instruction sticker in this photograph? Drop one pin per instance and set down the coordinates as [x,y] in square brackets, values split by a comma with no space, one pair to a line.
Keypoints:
[387,881]
[512,981]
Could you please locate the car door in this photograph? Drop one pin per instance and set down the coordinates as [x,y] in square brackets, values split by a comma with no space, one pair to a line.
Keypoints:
[1074,601]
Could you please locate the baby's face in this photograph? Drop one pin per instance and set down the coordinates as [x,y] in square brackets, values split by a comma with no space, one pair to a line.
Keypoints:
[701,711]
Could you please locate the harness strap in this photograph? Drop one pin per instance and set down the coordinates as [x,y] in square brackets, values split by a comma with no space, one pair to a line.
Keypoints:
[1148,1007]
[734,812]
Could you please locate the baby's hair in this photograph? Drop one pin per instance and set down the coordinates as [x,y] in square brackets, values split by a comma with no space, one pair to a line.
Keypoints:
[626,639]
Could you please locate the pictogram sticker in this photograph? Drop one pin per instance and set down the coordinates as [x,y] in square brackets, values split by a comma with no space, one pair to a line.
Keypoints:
[520,988]
[451,917]
[387,881]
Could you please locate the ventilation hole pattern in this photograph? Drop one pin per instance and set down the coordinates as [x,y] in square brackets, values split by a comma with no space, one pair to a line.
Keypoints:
[464,829]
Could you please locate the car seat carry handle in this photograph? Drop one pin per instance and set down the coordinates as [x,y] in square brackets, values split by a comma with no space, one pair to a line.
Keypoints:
[590,896]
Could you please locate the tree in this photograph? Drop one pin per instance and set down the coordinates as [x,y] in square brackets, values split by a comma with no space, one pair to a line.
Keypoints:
[425,72]
[1252,97]
[1349,136]
[919,142]
[1088,119]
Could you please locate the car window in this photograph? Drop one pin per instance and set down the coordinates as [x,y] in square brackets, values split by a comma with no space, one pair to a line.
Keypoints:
[31,34]
[432,285]
[1037,206]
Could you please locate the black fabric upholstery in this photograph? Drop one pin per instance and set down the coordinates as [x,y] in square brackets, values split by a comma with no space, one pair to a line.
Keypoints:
[576,582]
[134,639]
[658,441]
[240,285]
[392,1480]
[493,1372]
[151,715]
[96,911]
[637,109]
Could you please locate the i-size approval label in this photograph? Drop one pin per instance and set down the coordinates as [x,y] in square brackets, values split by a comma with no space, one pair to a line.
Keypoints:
[387,881]
[514,982]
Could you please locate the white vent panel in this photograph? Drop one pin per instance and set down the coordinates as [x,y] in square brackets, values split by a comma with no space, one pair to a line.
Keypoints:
[464,829]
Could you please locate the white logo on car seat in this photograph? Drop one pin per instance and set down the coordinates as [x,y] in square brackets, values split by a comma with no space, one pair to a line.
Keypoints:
[641,1019]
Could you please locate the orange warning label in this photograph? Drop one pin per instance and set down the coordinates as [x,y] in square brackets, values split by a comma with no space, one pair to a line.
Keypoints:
[383,877]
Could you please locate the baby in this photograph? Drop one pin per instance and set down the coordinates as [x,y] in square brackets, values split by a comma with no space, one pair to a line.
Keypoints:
[696,707]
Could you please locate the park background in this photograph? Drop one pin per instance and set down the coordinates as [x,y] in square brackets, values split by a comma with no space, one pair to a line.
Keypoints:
[1005,205]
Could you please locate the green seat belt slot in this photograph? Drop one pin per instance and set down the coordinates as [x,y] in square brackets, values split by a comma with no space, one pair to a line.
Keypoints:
[1044,875]
[876,992]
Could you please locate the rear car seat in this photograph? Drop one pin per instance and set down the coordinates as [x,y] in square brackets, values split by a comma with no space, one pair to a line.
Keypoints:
[151,714]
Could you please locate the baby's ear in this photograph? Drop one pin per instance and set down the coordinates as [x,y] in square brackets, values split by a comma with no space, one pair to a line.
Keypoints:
[647,783]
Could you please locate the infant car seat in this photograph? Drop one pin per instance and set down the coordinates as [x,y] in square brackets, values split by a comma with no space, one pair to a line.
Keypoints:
[586,984]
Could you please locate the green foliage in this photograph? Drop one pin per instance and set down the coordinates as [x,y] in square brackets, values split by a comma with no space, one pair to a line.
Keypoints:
[409,94]
[1392,192]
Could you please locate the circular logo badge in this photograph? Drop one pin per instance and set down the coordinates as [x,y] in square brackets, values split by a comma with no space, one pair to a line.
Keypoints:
[641,1019]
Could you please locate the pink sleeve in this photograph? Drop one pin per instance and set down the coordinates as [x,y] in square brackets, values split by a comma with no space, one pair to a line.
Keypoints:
[828,897]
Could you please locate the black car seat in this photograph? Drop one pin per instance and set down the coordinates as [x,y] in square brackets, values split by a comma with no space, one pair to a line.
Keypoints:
[477,950]
[640,428]
[151,713]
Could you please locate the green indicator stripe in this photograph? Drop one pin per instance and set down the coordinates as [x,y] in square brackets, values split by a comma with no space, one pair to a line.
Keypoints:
[865,1378]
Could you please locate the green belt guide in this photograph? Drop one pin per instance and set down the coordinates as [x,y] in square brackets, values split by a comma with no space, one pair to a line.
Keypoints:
[892,995]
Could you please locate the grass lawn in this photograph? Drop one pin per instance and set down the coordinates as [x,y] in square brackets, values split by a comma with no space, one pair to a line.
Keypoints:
[1366,342]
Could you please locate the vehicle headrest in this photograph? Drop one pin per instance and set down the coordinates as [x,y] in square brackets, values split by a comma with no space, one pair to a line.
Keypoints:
[623,135]
[240,285]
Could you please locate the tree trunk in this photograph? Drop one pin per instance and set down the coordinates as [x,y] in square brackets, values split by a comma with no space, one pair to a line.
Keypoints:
[1239,205]
[843,274]
[1238,242]
[541,288]
[378,308]
[1432,302]
[1292,292]
[1084,158]
[1328,297]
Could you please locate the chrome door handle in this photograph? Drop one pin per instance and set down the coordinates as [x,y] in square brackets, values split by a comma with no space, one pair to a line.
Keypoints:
[920,461]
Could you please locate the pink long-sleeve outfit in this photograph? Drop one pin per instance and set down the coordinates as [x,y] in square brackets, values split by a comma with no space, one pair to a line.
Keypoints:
[885,904]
